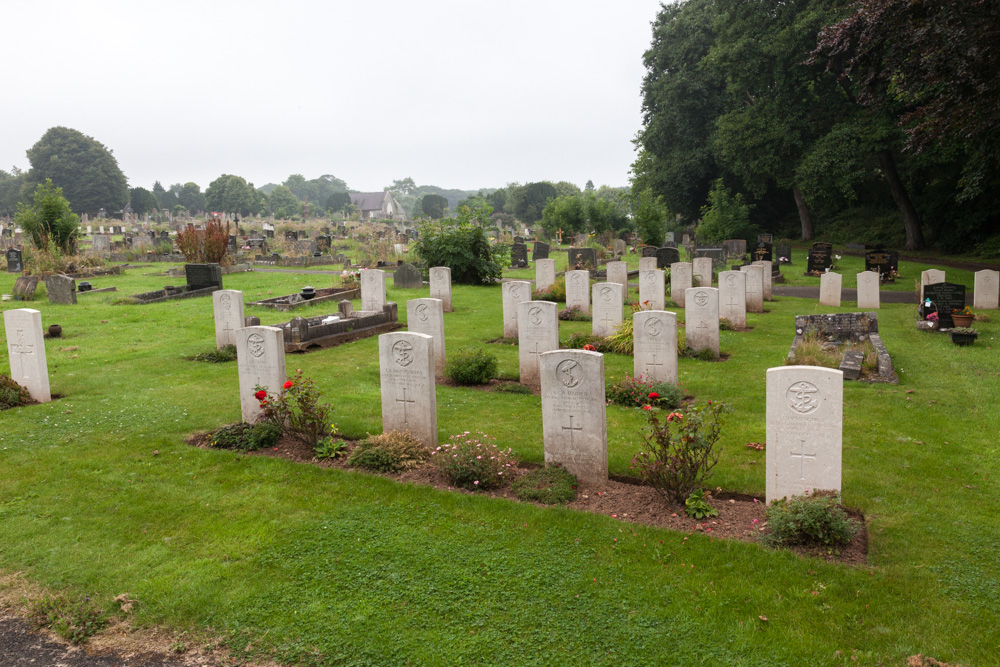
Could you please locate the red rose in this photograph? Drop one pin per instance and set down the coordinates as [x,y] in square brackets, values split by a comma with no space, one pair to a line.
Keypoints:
[260,395]
[287,385]
[647,407]
[653,394]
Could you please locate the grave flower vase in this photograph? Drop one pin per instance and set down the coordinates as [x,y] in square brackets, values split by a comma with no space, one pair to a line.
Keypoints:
[963,338]
[962,320]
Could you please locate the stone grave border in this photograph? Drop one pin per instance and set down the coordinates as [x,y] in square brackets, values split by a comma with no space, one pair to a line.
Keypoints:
[853,327]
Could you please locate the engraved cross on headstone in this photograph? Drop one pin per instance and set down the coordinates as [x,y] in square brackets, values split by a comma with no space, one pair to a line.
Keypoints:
[21,348]
[802,456]
[404,401]
[571,428]
[654,362]
[608,320]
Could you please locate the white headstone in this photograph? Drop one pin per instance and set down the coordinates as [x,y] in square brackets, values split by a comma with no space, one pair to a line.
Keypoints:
[765,275]
[574,421]
[930,277]
[514,293]
[987,290]
[755,288]
[227,305]
[701,319]
[607,308]
[545,273]
[829,289]
[618,273]
[426,316]
[805,409]
[260,357]
[26,351]
[441,286]
[653,289]
[733,297]
[578,290]
[680,281]
[537,332]
[868,290]
[647,264]
[654,333]
[373,290]
[702,271]
[406,372]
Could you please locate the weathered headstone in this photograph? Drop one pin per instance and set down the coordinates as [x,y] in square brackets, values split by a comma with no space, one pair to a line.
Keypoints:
[409,392]
[765,238]
[441,286]
[617,272]
[667,256]
[830,284]
[654,333]
[518,239]
[426,316]
[15,261]
[669,236]
[754,287]
[373,290]
[519,256]
[647,251]
[987,294]
[702,271]
[26,351]
[681,278]
[101,243]
[701,319]
[513,294]
[766,277]
[578,290]
[945,298]
[784,253]
[868,290]
[735,248]
[805,412]
[647,263]
[620,247]
[24,287]
[574,422]
[607,308]
[539,251]
[260,357]
[227,306]
[203,276]
[583,258]
[545,274]
[61,289]
[930,277]
[407,276]
[537,332]
[733,297]
[653,289]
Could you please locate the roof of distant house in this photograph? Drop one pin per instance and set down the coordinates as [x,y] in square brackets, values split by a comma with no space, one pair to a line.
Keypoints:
[368,201]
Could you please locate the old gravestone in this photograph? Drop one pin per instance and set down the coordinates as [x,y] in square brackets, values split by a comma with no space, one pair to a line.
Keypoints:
[735,248]
[681,278]
[766,277]
[574,421]
[518,239]
[323,242]
[15,261]
[203,276]
[820,258]
[260,358]
[868,290]
[26,352]
[929,277]
[583,258]
[647,264]
[655,350]
[513,294]
[830,284]
[537,332]
[946,298]
[701,319]
[617,272]
[647,251]
[545,274]
[784,253]
[227,307]
[409,392]
[426,316]
[620,247]
[733,297]
[24,287]
[765,238]
[539,251]
[607,308]
[986,293]
[805,409]
[652,289]
[407,276]
[441,286]
[578,290]
[754,287]
[702,271]
[667,256]
[373,290]
[61,289]
[762,252]
[101,243]
[882,262]
[519,256]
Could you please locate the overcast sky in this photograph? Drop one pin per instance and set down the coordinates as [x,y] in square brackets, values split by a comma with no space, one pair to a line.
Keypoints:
[457,94]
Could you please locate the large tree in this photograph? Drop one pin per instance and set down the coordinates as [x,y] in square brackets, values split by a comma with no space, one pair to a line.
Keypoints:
[231,194]
[84,168]
[10,190]
[528,201]
[433,206]
[190,196]
[49,220]
[142,200]
[283,202]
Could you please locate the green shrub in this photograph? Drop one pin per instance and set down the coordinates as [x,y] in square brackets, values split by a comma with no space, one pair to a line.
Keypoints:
[471,366]
[388,452]
[580,341]
[463,245]
[12,395]
[817,519]
[74,621]
[546,485]
[696,506]
[512,388]
[296,410]
[329,448]
[554,292]
[220,355]
[637,392]
[621,340]
[573,314]
[474,462]
[244,437]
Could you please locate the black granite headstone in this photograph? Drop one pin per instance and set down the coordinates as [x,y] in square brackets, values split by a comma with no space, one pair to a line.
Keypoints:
[765,238]
[784,253]
[519,256]
[945,298]
[407,276]
[764,252]
[883,262]
[666,256]
[15,262]
[540,251]
[820,257]
[202,276]
[585,258]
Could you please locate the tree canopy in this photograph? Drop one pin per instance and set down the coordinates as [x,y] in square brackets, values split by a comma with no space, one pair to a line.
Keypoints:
[232,194]
[433,206]
[49,220]
[142,200]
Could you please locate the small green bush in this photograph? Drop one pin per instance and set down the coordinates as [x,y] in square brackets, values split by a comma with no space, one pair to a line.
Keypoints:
[244,437]
[546,485]
[697,506]
[330,448]
[474,462]
[471,366]
[218,356]
[637,392]
[554,292]
[817,519]
[388,452]
[12,395]
[579,341]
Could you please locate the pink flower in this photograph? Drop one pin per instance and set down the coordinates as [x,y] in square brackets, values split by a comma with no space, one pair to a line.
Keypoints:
[647,407]
[476,483]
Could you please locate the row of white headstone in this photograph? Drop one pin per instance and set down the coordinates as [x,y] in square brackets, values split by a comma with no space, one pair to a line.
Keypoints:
[986,294]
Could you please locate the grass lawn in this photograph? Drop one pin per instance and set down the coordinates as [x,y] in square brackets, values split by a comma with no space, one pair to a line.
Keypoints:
[322,566]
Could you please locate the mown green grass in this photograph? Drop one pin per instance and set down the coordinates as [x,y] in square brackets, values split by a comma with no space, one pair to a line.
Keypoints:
[323,566]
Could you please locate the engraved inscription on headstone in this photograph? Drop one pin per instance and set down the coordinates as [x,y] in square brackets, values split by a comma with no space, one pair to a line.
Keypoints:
[406,373]
[373,290]
[701,319]
[652,289]
[537,332]
[26,351]
[681,277]
[426,316]
[733,297]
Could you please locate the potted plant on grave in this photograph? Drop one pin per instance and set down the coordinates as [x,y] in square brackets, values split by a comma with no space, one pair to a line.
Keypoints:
[962,317]
[963,335]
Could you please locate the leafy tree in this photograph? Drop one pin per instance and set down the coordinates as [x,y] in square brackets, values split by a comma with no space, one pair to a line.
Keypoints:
[566,189]
[726,216]
[209,245]
[165,200]
[462,243]
[528,201]
[231,194]
[83,167]
[649,216]
[190,196]
[498,200]
[565,213]
[403,186]
[49,221]
[605,214]
[283,203]
[589,187]
[10,190]
[142,200]
[337,201]
[433,206]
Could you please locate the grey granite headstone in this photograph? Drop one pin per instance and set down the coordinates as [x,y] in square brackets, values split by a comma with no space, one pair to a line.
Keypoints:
[583,258]
[203,276]
[407,276]
[61,289]
[540,251]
